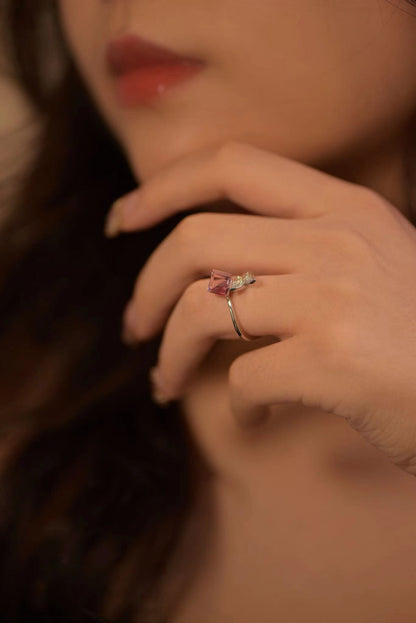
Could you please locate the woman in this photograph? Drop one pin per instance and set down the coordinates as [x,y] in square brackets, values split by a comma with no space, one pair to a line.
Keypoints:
[236,494]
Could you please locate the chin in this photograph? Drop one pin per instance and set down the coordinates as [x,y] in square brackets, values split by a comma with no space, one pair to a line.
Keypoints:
[150,149]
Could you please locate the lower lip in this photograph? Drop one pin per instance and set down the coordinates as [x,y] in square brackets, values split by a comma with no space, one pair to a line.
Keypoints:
[147,84]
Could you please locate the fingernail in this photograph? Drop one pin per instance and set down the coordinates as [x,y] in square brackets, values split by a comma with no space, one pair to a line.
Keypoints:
[130,204]
[129,315]
[113,220]
[128,335]
[158,395]
[119,213]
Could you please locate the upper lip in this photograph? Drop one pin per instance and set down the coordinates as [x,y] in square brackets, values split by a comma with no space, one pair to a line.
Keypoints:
[131,52]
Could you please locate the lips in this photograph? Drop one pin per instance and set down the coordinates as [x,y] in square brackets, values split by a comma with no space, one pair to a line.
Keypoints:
[131,52]
[143,71]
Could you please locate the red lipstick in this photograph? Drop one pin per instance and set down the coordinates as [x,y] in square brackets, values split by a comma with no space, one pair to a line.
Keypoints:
[143,71]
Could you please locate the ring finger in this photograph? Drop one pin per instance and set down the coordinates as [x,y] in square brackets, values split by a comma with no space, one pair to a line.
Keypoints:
[267,245]
[275,305]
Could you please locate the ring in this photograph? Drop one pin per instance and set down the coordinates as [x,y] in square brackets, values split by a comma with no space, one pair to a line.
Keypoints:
[224,284]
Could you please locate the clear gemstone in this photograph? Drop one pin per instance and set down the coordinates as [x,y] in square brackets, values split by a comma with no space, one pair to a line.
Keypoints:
[248,277]
[237,282]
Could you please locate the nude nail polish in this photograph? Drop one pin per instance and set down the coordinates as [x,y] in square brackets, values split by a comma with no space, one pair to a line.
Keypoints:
[158,395]
[113,220]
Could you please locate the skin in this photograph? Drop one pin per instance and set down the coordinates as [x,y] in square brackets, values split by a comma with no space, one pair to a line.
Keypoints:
[317,111]
[281,493]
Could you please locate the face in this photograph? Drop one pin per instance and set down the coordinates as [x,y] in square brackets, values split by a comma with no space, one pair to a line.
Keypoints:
[313,80]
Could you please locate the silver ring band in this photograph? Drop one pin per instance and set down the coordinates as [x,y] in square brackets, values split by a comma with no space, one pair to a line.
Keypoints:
[224,284]
[240,333]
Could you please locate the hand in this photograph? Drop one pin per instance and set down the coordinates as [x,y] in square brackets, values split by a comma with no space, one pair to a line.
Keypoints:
[335,265]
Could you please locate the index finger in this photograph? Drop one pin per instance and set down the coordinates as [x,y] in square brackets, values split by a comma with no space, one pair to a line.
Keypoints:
[258,180]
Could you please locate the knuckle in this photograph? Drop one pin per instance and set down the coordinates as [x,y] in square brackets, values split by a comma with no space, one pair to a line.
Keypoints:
[190,302]
[369,196]
[342,292]
[332,226]
[229,148]
[227,153]
[334,299]
[337,343]
[342,335]
[372,200]
[192,234]
[188,226]
[336,338]
[189,231]
[347,291]
[343,239]
[350,238]
[347,238]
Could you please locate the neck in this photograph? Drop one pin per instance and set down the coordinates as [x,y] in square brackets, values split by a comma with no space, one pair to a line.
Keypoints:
[384,168]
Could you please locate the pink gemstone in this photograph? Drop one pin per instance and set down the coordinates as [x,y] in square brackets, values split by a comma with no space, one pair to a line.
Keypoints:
[220,282]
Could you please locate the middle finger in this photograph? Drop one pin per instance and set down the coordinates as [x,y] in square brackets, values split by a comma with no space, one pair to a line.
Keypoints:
[269,245]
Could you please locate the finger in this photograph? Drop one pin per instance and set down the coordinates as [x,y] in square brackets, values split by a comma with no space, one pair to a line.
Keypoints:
[233,242]
[272,306]
[277,373]
[258,180]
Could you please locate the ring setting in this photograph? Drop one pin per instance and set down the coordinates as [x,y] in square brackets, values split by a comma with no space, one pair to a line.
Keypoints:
[224,284]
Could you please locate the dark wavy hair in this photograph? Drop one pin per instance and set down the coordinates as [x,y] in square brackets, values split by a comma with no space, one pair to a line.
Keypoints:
[97,481]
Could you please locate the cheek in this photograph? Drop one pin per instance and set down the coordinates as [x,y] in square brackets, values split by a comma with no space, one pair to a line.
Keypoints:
[314,79]
[73,26]
[80,25]
[84,28]
[308,79]
[327,82]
